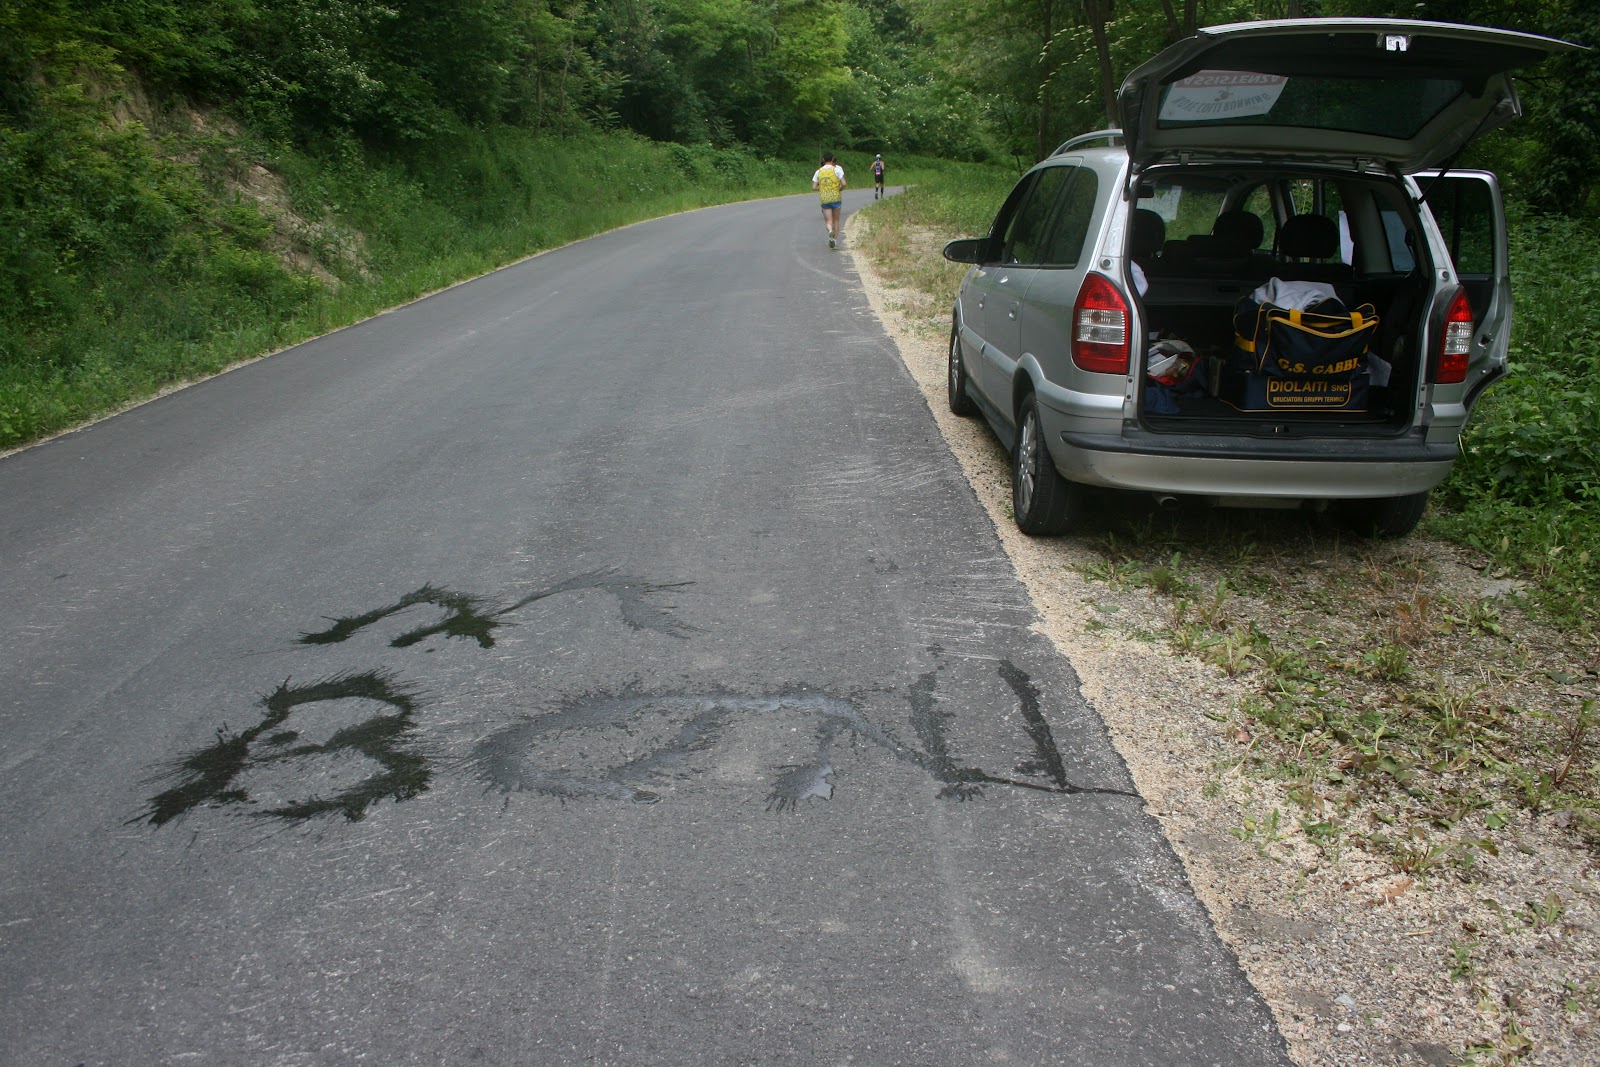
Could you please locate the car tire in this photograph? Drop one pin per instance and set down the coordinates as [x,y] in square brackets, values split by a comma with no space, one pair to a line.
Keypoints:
[956,380]
[1042,502]
[1393,516]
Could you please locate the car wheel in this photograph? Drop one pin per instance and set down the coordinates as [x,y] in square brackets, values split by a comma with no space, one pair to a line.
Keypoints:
[1393,516]
[960,401]
[1042,501]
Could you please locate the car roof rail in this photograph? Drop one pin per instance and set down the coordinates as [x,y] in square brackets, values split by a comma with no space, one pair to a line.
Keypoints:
[1111,137]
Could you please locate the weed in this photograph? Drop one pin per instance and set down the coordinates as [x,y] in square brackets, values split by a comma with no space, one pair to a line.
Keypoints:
[1447,710]
[1481,616]
[1420,858]
[1192,638]
[1327,835]
[1264,830]
[1544,914]
[1413,621]
[1169,578]
[1213,612]
[1503,1050]
[1388,576]
[1234,651]
[1388,662]
[1575,732]
[1580,996]
[1286,668]
[1462,966]
[1125,573]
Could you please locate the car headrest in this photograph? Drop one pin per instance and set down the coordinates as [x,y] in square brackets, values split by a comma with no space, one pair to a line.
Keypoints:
[1149,233]
[1309,237]
[1238,232]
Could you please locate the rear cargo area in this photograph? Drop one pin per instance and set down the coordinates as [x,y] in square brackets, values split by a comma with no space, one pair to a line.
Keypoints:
[1278,302]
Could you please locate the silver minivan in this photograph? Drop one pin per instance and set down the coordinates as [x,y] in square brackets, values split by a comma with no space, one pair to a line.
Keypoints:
[1269,288]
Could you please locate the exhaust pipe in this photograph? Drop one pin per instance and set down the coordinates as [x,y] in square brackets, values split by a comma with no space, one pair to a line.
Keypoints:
[1166,502]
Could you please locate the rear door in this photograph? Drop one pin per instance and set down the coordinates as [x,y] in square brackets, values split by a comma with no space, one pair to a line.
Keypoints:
[1472,220]
[999,287]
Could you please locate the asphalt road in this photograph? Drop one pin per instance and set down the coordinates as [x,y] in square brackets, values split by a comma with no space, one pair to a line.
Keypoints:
[603,661]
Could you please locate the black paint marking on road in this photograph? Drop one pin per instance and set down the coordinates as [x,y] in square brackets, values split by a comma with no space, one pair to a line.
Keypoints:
[929,722]
[624,746]
[466,618]
[341,759]
[1048,756]
[470,616]
[654,738]
[376,751]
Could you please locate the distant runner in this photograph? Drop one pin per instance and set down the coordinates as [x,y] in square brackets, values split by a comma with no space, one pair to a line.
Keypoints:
[828,181]
[877,177]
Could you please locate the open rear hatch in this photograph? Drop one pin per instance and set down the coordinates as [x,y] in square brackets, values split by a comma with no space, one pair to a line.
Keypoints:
[1402,94]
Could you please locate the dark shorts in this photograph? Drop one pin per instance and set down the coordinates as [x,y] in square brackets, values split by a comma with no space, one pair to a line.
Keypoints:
[836,203]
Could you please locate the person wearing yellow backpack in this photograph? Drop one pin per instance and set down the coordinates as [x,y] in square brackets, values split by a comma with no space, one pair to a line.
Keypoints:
[828,181]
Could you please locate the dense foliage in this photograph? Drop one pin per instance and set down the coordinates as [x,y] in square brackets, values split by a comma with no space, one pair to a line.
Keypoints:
[974,79]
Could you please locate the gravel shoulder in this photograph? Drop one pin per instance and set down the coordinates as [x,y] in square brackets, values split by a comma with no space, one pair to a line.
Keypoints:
[1467,938]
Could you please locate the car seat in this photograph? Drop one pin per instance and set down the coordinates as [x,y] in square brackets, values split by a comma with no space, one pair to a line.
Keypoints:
[1305,244]
[1148,233]
[1231,247]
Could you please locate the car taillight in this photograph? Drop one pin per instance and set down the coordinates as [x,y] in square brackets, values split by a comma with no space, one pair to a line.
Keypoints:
[1456,346]
[1100,327]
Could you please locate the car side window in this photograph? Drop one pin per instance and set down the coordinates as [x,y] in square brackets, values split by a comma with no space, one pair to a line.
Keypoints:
[1063,246]
[1024,240]
[1006,217]
[1317,196]
[1465,213]
[1401,252]
[1259,204]
[1190,209]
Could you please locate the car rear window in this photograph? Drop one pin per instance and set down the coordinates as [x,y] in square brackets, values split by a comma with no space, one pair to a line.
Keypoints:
[1189,205]
[1383,107]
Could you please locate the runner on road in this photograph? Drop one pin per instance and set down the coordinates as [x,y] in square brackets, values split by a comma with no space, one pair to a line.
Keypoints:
[828,181]
[877,177]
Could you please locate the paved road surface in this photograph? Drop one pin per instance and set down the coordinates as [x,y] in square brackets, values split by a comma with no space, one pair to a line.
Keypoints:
[603,661]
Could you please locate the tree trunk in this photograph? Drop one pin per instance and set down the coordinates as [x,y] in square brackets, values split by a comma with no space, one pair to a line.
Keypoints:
[1173,34]
[1046,30]
[1042,143]
[1095,13]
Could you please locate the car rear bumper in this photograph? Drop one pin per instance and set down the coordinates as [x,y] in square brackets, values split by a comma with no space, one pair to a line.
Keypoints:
[1207,465]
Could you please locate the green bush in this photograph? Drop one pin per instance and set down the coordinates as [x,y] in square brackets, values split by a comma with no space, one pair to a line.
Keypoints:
[1535,438]
[1527,488]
